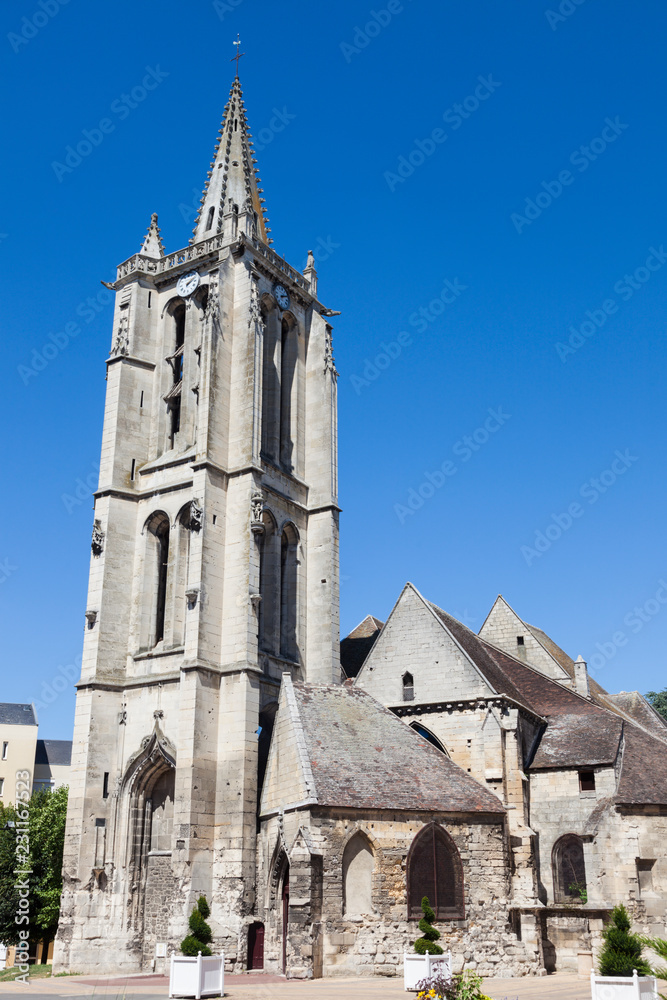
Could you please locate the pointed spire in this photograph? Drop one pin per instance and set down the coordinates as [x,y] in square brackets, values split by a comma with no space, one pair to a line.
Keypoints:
[232,200]
[152,245]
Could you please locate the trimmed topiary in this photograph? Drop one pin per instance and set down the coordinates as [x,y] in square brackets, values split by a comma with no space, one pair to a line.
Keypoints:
[622,951]
[426,943]
[200,935]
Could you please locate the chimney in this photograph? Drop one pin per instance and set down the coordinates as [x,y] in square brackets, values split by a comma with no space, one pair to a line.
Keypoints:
[581,677]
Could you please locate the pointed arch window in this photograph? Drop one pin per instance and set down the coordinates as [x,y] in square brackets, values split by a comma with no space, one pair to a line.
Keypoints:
[288,592]
[408,687]
[158,556]
[569,869]
[358,867]
[434,869]
[288,358]
[426,734]
[175,394]
[269,585]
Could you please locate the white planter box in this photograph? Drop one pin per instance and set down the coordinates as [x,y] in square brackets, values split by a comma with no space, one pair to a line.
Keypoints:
[418,967]
[623,987]
[203,976]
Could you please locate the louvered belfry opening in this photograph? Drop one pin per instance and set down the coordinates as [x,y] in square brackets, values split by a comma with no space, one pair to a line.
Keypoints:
[434,870]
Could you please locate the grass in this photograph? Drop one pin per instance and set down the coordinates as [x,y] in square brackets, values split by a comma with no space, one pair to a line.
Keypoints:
[36,972]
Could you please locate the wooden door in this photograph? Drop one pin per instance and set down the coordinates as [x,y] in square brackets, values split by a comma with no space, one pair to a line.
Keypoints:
[256,946]
[285,899]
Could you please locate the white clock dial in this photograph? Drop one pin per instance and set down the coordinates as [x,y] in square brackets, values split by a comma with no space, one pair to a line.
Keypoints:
[187,284]
[282,298]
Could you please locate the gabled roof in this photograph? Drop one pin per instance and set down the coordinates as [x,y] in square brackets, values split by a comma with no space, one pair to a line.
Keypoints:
[55,753]
[355,753]
[566,662]
[578,732]
[643,779]
[355,647]
[17,715]
[634,706]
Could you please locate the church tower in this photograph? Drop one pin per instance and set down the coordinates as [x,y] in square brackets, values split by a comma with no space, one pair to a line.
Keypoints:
[214,571]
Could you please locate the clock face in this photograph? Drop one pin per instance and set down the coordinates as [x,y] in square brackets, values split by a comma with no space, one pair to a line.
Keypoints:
[282,298]
[187,284]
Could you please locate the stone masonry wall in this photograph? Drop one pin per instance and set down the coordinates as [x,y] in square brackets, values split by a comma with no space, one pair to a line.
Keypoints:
[373,944]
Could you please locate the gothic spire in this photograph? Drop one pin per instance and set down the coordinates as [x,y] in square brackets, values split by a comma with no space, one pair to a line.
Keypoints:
[232,180]
[152,245]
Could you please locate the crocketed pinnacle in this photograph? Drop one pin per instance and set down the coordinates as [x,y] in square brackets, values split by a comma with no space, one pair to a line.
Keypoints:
[232,180]
[152,245]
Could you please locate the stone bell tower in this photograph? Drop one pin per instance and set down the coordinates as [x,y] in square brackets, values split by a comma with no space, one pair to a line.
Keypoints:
[214,570]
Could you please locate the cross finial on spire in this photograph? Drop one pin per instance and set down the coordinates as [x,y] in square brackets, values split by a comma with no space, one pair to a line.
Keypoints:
[238,55]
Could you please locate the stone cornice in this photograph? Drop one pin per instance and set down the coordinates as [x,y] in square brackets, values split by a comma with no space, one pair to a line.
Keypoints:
[130,359]
[461,704]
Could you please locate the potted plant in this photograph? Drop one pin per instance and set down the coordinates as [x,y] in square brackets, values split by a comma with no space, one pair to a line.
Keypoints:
[621,966]
[197,972]
[425,961]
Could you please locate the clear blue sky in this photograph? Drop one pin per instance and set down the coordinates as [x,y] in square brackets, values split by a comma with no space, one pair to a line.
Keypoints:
[354,104]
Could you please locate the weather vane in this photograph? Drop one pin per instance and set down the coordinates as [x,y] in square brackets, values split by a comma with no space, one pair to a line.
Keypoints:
[238,55]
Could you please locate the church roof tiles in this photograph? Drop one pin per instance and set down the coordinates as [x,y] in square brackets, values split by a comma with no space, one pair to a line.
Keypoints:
[362,756]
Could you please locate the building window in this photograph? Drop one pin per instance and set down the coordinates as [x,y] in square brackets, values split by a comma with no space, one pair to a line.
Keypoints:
[569,870]
[105,786]
[288,358]
[587,781]
[434,870]
[158,554]
[519,640]
[269,585]
[645,876]
[288,593]
[426,734]
[358,865]
[5,748]
[2,786]
[209,221]
[408,688]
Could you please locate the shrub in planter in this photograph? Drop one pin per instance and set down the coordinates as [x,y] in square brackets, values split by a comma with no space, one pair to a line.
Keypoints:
[437,987]
[622,951]
[199,938]
[426,943]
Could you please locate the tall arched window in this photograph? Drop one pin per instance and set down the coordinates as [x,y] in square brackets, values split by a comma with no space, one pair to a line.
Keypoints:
[181,559]
[569,868]
[408,687]
[175,394]
[435,870]
[288,593]
[358,865]
[271,387]
[269,585]
[158,557]
[288,359]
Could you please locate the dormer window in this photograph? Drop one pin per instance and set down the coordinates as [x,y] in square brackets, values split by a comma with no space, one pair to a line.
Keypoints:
[408,688]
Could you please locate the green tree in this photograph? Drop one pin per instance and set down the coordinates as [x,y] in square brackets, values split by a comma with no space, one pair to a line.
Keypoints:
[426,943]
[200,936]
[658,699]
[43,865]
[622,951]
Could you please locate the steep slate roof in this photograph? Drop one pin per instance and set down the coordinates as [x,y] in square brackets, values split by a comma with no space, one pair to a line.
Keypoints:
[643,778]
[17,715]
[578,732]
[565,661]
[635,707]
[357,645]
[55,753]
[362,756]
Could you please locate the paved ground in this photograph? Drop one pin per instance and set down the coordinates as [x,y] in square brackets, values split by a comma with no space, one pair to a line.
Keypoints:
[263,987]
